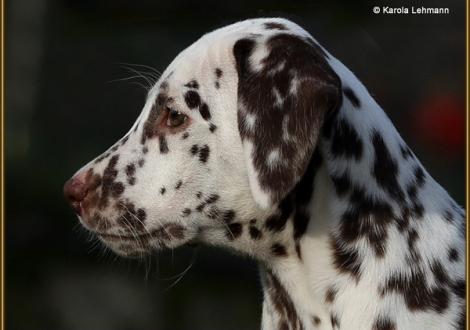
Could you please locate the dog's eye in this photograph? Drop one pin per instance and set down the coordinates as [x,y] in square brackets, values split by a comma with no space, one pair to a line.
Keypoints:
[175,118]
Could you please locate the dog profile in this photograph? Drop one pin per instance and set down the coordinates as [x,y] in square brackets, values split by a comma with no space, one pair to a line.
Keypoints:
[258,140]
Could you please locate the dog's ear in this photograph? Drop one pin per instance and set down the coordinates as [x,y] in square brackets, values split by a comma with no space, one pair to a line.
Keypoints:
[285,89]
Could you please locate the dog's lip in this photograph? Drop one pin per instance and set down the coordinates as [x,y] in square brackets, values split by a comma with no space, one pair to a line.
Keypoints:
[160,234]
[114,237]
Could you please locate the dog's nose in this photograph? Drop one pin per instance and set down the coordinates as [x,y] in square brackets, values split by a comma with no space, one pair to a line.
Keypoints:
[75,191]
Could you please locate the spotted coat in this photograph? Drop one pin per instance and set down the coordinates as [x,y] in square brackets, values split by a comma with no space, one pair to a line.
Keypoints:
[280,153]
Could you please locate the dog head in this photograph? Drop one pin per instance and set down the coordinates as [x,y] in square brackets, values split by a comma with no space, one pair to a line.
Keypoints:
[224,136]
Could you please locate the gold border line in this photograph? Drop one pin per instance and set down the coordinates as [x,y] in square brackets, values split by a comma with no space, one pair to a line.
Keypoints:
[2,162]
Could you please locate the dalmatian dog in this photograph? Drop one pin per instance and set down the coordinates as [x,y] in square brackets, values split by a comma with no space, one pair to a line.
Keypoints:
[258,140]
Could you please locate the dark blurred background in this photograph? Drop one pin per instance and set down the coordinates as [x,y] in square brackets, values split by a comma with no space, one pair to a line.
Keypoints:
[63,109]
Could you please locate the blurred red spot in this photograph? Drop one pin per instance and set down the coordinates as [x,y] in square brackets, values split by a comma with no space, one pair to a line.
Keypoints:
[440,123]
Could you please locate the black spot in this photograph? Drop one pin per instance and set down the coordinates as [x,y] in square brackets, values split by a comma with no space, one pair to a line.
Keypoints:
[416,206]
[301,220]
[385,168]
[185,135]
[448,216]
[228,216]
[212,128]
[108,180]
[117,189]
[275,26]
[234,231]
[149,129]
[458,287]
[101,158]
[402,221]
[162,190]
[383,323]
[351,96]
[212,198]
[440,274]
[186,212]
[113,161]
[124,140]
[330,294]
[278,250]
[130,169]
[242,50]
[194,149]
[366,217]
[199,194]
[192,99]
[417,294]
[346,260]
[277,221]
[334,320]
[342,184]
[141,162]
[192,84]
[453,255]
[218,73]
[282,303]
[201,207]
[204,153]
[406,151]
[178,184]
[316,320]
[345,141]
[163,144]
[255,233]
[298,250]
[419,176]
[204,111]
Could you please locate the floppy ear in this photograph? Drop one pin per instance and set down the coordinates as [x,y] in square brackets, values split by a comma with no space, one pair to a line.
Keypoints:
[285,89]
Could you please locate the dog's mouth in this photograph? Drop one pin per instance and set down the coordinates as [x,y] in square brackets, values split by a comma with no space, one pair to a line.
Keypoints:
[137,244]
[167,232]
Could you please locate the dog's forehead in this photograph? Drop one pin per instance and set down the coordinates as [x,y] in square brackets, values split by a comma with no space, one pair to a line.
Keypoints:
[216,47]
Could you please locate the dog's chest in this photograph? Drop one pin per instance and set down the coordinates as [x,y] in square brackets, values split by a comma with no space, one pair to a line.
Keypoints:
[344,283]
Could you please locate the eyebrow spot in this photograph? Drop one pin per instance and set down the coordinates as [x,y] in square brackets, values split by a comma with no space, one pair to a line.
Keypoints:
[192,99]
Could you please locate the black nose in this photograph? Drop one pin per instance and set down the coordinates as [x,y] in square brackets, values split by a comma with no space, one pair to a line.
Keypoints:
[75,191]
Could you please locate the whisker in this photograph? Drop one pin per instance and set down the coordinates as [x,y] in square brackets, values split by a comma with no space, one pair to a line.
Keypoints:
[135,235]
[180,276]
[141,65]
[139,84]
[123,79]
[147,79]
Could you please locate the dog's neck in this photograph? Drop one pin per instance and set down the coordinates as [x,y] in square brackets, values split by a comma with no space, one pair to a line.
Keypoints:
[363,184]
[356,188]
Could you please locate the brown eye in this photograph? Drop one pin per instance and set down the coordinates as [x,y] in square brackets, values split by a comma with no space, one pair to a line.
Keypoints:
[175,118]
